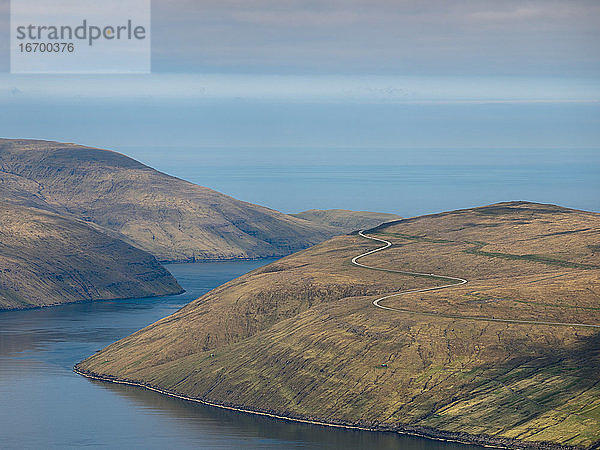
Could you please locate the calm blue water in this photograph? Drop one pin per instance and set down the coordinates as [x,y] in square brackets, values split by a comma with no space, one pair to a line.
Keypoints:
[293,156]
[404,181]
[43,404]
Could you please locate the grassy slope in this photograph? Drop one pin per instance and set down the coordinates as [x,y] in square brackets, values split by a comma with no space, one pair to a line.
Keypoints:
[301,337]
[46,259]
[347,221]
[169,217]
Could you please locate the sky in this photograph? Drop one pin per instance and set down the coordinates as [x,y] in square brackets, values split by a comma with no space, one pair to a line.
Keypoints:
[368,74]
[431,37]
[435,37]
[385,37]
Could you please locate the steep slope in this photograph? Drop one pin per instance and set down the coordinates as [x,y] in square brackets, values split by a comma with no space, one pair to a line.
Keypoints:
[346,220]
[168,217]
[301,337]
[46,259]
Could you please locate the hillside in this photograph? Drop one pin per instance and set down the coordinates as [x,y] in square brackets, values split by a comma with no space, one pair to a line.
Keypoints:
[494,360]
[173,219]
[46,259]
[346,220]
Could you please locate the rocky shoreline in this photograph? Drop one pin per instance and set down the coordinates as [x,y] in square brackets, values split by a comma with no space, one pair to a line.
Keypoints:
[428,433]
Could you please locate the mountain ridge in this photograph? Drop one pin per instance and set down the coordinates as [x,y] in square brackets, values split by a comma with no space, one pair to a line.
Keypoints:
[171,218]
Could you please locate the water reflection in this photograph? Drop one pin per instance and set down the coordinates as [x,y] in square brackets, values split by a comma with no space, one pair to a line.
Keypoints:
[237,427]
[43,404]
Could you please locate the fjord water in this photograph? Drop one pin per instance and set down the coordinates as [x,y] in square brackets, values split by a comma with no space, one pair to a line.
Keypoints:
[43,404]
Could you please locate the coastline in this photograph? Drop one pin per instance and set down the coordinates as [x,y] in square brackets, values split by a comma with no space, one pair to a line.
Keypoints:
[29,308]
[422,432]
[163,263]
[166,262]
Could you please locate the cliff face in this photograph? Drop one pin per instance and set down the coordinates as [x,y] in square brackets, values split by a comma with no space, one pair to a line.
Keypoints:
[47,259]
[173,219]
[505,356]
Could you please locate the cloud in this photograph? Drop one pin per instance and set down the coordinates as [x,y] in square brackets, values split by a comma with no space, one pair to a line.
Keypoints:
[300,18]
[378,36]
[409,37]
[513,14]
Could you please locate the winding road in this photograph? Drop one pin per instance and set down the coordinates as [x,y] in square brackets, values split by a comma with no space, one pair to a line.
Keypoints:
[457,282]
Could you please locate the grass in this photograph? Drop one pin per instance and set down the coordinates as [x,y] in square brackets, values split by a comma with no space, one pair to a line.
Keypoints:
[530,302]
[477,246]
[413,237]
[305,341]
[47,259]
[535,258]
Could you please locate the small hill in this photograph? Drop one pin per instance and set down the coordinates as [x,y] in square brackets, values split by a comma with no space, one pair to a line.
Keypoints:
[47,259]
[173,219]
[346,220]
[511,358]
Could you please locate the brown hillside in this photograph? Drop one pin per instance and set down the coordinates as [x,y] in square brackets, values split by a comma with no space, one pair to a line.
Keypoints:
[346,220]
[301,337]
[46,259]
[168,217]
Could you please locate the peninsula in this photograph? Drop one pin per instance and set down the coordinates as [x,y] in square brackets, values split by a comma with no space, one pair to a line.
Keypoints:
[510,357]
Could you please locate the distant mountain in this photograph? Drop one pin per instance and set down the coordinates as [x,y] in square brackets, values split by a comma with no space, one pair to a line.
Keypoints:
[509,359]
[346,220]
[47,259]
[171,218]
